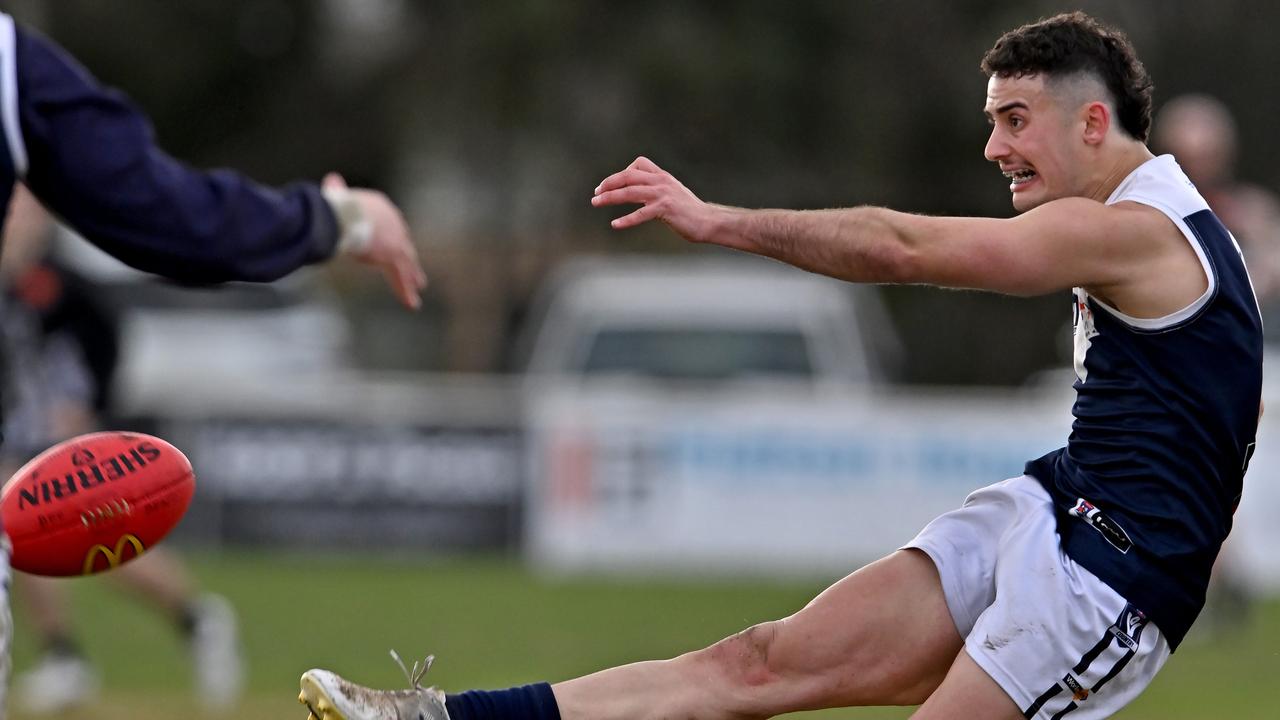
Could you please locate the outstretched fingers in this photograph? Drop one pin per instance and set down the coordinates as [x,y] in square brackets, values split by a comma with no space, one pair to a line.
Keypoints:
[631,186]
[638,217]
[391,249]
[644,163]
[405,284]
[378,236]
[406,277]
[662,197]
[637,194]
[626,178]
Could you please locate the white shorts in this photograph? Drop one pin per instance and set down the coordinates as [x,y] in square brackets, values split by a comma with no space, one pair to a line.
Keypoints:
[1057,639]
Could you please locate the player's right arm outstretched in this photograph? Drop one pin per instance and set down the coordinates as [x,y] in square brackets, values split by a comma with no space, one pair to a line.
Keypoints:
[1070,242]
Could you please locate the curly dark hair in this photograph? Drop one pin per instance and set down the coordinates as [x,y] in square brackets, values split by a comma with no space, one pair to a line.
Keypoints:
[1073,43]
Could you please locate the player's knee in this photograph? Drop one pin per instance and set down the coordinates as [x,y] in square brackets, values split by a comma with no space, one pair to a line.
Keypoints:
[744,659]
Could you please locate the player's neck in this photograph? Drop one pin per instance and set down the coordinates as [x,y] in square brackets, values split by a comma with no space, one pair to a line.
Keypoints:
[1116,166]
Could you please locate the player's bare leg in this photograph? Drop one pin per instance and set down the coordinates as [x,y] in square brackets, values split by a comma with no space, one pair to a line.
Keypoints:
[881,636]
[968,692]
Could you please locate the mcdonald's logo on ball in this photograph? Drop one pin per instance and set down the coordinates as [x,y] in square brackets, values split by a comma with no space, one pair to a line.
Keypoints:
[114,557]
[94,502]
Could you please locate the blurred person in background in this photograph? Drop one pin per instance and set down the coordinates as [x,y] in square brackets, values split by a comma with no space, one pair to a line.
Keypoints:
[1059,592]
[58,353]
[90,157]
[1201,132]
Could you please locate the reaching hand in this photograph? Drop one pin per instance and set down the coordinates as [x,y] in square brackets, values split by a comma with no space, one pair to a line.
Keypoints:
[663,198]
[388,247]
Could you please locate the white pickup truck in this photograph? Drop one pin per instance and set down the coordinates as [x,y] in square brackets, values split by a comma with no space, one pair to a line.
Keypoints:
[705,321]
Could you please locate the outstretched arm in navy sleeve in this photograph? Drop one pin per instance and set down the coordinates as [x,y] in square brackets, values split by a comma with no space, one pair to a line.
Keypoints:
[91,157]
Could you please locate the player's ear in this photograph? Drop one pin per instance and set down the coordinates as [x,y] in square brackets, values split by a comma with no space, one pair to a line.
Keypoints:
[1097,120]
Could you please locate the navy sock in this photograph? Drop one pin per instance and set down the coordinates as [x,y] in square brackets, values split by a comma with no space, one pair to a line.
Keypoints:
[529,702]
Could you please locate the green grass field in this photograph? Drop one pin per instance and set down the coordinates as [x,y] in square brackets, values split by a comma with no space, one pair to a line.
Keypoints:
[491,623]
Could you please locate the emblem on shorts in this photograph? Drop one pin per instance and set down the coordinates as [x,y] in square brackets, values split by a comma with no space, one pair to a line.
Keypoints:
[1109,528]
[1079,693]
[1128,627]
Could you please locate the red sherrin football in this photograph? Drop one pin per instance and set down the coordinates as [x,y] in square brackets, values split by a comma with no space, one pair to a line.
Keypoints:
[94,502]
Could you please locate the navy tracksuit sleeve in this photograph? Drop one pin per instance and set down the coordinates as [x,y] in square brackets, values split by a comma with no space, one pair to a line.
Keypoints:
[92,159]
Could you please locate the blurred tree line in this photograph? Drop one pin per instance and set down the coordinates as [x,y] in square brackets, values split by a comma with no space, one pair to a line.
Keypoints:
[491,123]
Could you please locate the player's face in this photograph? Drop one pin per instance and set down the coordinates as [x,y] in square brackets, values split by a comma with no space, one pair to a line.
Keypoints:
[1030,140]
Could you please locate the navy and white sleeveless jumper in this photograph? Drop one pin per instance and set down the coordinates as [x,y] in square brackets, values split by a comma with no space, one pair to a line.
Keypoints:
[1165,416]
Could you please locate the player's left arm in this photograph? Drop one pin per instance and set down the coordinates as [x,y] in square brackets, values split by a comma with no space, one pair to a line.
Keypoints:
[1062,244]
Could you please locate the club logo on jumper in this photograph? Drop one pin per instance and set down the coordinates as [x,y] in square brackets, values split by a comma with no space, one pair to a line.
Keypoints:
[1079,692]
[1128,627]
[91,474]
[1109,528]
[114,556]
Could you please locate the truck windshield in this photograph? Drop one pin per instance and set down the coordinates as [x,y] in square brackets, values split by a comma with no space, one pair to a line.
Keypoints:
[698,353]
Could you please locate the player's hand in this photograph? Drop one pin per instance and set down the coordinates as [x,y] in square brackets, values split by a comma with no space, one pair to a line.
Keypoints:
[388,247]
[662,197]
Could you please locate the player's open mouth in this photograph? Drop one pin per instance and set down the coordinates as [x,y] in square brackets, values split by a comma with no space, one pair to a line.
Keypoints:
[1020,177]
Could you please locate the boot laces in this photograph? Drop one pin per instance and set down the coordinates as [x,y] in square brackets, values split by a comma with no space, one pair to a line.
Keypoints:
[414,675]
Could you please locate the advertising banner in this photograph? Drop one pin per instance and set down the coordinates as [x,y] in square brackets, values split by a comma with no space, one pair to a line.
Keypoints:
[645,480]
[642,479]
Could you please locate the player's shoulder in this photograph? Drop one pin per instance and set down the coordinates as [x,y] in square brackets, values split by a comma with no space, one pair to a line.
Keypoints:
[1147,225]
[1110,221]
[1141,216]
